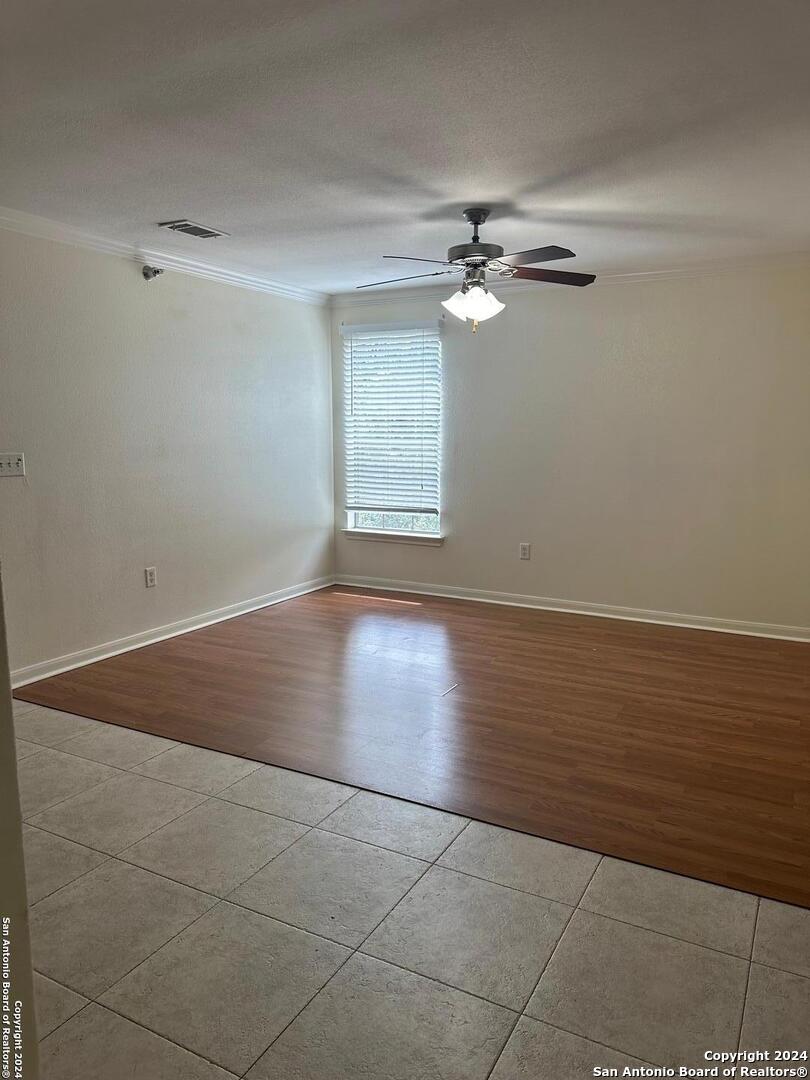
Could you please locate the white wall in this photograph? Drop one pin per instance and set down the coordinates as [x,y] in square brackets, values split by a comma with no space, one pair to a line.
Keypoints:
[183,424]
[13,899]
[651,441]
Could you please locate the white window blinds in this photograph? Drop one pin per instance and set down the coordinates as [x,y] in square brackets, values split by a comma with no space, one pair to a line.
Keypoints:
[392,412]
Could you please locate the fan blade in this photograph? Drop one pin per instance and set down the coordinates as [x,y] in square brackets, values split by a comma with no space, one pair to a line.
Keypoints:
[411,277]
[414,258]
[536,255]
[559,277]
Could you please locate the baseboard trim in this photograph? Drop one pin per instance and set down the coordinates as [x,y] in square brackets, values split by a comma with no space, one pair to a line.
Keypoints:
[46,668]
[575,607]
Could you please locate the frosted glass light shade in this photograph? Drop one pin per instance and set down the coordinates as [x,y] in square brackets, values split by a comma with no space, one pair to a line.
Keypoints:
[481,304]
[477,303]
[457,305]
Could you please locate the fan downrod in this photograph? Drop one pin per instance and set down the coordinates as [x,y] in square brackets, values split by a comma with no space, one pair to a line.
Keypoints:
[475,251]
[475,216]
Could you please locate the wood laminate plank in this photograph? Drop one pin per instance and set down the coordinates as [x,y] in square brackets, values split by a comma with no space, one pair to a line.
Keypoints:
[683,749]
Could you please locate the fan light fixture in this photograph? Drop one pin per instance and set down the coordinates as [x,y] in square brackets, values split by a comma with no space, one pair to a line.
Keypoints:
[474,302]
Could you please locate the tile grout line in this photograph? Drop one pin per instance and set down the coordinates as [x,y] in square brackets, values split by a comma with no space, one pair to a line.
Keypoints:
[382,847]
[172,1042]
[283,768]
[607,1046]
[89,731]
[748,978]
[267,813]
[596,1042]
[754,929]
[160,753]
[318,825]
[459,834]
[116,854]
[368,843]
[184,884]
[216,896]
[543,970]
[217,901]
[52,806]
[295,821]
[523,1012]
[95,999]
[136,769]
[662,933]
[61,742]
[109,780]
[78,877]
[137,1023]
[357,949]
[358,791]
[123,768]
[306,1005]
[559,939]
[503,885]
[151,954]
[354,951]
[38,748]
[309,826]
[439,982]
[340,806]
[87,1003]
[119,856]
[599,862]
[129,971]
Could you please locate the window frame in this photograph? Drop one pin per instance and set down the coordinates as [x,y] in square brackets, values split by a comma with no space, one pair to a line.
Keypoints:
[351,528]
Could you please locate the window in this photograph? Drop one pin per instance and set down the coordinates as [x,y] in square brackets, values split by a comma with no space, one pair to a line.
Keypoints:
[392,415]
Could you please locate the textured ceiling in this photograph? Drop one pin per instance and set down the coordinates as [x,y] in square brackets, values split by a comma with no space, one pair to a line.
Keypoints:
[322,134]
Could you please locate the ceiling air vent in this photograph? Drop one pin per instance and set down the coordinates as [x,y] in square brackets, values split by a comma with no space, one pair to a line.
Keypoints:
[191,228]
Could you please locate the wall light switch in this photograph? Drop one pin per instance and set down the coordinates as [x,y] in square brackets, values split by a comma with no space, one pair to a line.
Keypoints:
[150,577]
[525,551]
[12,464]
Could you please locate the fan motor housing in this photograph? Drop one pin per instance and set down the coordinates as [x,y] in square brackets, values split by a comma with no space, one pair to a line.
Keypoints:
[483,252]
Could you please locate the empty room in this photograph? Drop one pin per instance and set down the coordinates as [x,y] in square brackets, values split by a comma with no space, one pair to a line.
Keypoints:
[403,678]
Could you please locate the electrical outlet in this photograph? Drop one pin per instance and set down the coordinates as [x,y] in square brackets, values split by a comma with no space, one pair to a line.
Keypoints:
[525,551]
[150,576]
[12,463]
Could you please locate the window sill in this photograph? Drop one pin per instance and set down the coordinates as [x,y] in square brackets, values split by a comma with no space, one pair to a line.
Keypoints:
[391,537]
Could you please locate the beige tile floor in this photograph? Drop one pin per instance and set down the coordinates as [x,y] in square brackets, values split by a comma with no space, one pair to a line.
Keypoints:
[197,916]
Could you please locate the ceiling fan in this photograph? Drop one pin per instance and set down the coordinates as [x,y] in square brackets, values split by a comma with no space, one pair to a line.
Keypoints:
[473,300]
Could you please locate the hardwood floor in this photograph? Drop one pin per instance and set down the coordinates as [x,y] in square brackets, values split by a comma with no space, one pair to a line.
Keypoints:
[683,749]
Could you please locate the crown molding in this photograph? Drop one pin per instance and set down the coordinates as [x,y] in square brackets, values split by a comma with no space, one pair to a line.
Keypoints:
[435,292]
[45,229]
